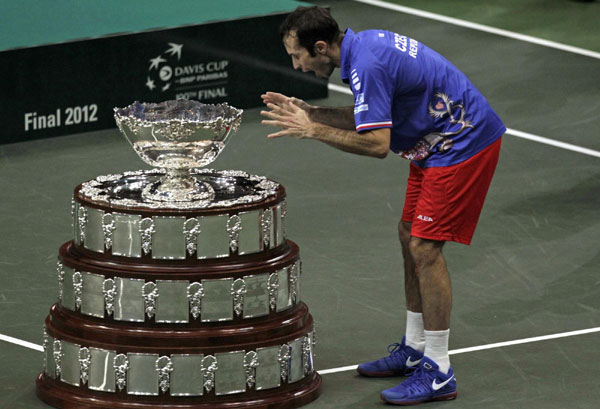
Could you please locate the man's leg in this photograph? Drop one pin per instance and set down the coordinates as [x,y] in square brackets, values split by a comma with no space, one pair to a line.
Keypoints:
[415,335]
[436,298]
[411,280]
[434,379]
[404,357]
[433,282]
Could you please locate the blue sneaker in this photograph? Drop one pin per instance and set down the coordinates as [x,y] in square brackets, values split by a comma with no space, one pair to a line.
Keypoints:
[403,360]
[426,384]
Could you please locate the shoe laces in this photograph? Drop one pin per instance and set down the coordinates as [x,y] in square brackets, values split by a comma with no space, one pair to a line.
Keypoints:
[397,354]
[418,382]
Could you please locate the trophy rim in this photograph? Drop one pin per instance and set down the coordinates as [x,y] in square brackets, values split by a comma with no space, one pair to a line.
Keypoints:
[121,116]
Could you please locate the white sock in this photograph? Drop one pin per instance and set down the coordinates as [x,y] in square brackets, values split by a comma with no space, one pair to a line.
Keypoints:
[415,335]
[436,348]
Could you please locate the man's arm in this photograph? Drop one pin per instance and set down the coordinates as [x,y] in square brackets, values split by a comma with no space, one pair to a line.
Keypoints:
[342,118]
[337,117]
[296,122]
[375,143]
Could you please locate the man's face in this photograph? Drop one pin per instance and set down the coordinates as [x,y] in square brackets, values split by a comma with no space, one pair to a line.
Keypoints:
[320,64]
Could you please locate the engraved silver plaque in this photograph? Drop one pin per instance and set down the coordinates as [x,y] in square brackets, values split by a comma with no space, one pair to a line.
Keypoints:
[173,305]
[168,241]
[296,368]
[250,233]
[92,300]
[94,231]
[231,375]
[127,240]
[102,371]
[217,303]
[129,303]
[213,240]
[268,372]
[70,367]
[256,299]
[142,377]
[283,293]
[187,378]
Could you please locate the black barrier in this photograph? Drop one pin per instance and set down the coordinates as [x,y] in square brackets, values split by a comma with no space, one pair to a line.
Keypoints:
[72,87]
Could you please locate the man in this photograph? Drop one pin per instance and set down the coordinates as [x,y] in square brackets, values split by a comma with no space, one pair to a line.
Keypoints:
[412,101]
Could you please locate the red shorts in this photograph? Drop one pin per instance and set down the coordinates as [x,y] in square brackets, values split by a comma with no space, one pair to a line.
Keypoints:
[444,203]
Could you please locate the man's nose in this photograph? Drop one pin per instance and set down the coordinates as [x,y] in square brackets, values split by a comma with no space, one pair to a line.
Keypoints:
[296,65]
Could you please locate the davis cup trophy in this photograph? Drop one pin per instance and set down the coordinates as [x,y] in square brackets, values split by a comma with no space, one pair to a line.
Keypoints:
[178,135]
[179,288]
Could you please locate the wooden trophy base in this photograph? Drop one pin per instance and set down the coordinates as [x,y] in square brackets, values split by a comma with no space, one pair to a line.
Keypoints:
[63,396]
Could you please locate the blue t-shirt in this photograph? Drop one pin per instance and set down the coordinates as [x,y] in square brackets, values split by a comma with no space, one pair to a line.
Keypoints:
[401,84]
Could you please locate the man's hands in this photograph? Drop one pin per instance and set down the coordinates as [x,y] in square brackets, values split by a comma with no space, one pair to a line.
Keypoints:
[333,126]
[290,114]
[280,99]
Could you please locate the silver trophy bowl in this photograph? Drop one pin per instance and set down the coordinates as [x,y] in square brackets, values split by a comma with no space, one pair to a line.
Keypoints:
[178,135]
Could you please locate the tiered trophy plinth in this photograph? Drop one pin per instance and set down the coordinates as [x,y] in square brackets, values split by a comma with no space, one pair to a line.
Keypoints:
[173,299]
[179,307]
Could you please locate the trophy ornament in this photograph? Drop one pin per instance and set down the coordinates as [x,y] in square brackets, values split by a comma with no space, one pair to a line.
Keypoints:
[178,135]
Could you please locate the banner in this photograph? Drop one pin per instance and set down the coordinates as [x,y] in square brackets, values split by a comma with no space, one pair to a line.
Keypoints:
[72,87]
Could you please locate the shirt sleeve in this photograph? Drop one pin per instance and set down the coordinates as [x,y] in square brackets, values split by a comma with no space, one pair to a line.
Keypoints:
[372,91]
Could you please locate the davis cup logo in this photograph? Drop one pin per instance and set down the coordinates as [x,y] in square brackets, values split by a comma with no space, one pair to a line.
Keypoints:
[160,72]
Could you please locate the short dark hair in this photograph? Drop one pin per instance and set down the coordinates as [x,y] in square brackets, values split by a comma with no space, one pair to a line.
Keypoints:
[311,24]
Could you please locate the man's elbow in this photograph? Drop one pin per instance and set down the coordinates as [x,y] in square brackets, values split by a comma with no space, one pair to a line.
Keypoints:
[381,151]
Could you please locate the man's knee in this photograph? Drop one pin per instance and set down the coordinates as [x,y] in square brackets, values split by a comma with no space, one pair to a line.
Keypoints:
[425,252]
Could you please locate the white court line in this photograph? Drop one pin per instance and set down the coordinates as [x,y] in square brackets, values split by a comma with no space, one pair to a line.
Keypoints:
[489,346]
[513,132]
[353,367]
[552,142]
[481,27]
[22,343]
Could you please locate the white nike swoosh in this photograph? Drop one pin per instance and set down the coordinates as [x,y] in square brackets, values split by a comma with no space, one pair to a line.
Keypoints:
[437,386]
[409,362]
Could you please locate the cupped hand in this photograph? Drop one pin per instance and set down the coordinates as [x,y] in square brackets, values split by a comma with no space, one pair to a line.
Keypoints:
[292,119]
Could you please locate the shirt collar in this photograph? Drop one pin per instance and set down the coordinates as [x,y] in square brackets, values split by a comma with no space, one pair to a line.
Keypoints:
[345,51]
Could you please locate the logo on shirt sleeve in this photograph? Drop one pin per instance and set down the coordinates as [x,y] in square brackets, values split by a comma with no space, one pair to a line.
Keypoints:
[359,105]
[355,80]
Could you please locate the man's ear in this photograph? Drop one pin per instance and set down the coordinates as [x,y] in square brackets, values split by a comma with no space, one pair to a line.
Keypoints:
[321,47]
